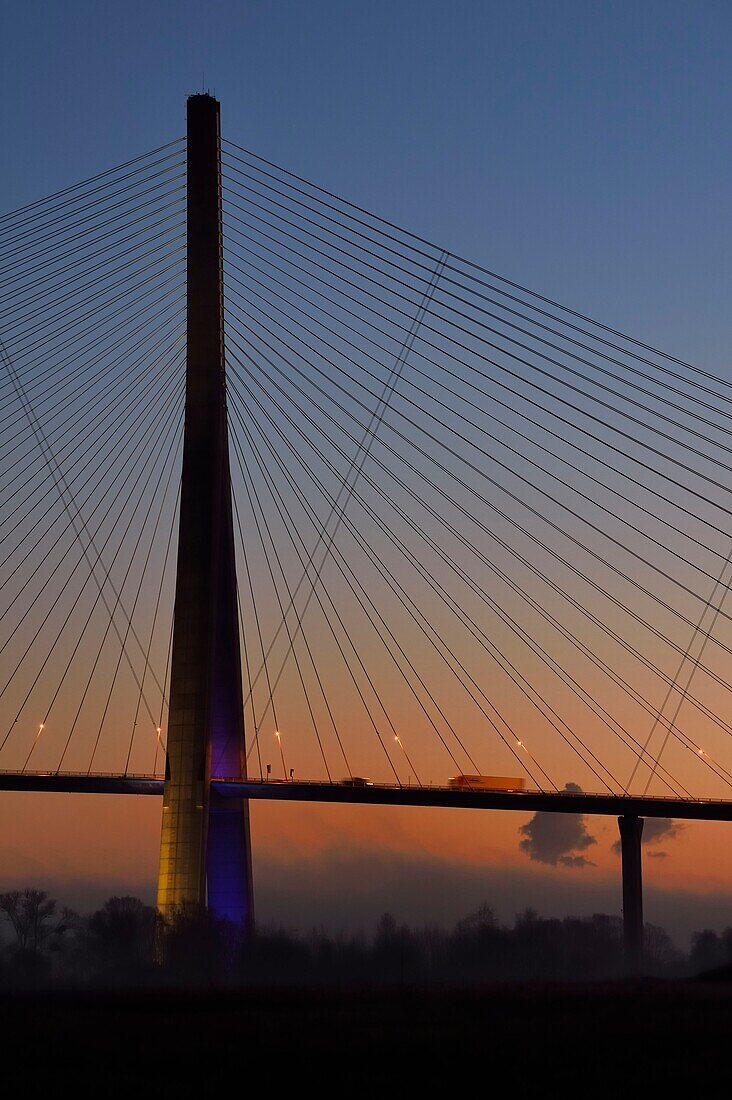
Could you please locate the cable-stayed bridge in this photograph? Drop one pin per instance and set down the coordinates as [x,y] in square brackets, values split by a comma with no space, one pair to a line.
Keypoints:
[288,492]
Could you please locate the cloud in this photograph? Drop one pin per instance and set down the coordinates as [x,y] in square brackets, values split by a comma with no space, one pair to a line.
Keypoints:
[660,828]
[655,829]
[557,838]
[577,861]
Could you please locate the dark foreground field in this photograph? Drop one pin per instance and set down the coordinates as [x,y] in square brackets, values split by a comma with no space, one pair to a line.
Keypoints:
[613,1040]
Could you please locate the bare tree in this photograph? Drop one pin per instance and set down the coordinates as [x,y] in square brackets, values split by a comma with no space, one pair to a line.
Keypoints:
[34,917]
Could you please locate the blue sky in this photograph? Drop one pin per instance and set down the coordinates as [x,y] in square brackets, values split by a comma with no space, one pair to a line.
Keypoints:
[579,147]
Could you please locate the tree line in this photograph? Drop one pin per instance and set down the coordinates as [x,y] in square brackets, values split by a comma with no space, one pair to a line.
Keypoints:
[125,943]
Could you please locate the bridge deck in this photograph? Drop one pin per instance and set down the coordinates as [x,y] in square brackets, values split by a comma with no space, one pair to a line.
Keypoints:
[382,795]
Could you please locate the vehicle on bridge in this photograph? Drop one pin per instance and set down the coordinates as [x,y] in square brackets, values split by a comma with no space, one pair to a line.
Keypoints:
[487,783]
[356,781]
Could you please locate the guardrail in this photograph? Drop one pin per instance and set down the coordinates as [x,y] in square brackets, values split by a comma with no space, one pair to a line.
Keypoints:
[385,794]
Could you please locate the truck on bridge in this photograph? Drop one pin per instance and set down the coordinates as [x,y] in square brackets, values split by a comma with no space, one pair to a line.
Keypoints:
[487,783]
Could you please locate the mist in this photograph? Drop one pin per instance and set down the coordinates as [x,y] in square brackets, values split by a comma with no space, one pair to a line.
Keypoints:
[346,889]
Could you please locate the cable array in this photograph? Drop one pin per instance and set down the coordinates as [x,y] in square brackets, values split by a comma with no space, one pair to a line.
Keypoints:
[476,531]
[497,530]
[92,354]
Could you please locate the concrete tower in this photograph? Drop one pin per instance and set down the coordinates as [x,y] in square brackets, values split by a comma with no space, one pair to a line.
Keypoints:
[205,853]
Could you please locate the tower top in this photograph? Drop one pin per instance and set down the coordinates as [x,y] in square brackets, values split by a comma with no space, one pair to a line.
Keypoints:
[199,98]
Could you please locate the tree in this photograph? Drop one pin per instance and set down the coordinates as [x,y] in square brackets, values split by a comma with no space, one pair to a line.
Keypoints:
[121,933]
[727,941]
[386,930]
[659,953]
[482,920]
[395,949]
[195,946]
[35,918]
[707,951]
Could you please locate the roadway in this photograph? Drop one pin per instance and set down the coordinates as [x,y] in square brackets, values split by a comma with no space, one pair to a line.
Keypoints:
[382,795]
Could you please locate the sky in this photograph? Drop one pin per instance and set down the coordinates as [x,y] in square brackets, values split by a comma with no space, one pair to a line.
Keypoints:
[577,145]
[579,148]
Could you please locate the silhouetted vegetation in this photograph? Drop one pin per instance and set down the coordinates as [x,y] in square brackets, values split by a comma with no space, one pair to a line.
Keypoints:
[125,944]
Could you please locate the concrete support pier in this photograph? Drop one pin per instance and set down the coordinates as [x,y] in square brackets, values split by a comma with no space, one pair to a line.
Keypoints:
[631,831]
[204,847]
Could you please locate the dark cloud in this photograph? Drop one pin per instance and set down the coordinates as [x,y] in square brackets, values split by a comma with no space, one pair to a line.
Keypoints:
[660,828]
[557,838]
[655,829]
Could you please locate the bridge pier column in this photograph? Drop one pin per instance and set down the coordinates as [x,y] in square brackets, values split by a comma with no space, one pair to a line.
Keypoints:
[204,846]
[631,831]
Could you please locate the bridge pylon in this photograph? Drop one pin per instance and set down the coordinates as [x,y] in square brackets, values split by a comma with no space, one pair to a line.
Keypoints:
[205,854]
[631,831]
